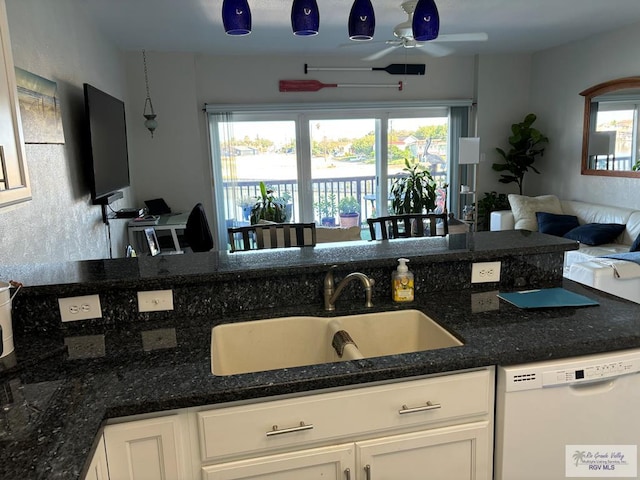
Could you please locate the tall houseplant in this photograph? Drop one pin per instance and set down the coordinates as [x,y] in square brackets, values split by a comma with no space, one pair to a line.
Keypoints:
[268,207]
[414,191]
[527,143]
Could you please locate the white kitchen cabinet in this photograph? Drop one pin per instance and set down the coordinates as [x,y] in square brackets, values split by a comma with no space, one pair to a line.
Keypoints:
[149,449]
[439,427]
[460,452]
[435,427]
[325,463]
[98,469]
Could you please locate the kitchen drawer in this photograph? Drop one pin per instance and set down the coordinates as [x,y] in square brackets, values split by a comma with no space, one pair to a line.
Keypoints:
[350,414]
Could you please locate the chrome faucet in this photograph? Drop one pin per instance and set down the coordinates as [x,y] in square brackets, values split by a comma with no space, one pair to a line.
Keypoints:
[331,292]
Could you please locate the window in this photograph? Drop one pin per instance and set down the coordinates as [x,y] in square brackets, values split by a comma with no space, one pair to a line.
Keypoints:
[325,161]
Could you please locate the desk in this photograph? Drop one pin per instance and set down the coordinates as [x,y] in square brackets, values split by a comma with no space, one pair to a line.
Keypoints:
[172,222]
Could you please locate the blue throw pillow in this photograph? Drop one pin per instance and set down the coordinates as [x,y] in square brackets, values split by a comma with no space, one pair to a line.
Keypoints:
[595,233]
[555,224]
[635,246]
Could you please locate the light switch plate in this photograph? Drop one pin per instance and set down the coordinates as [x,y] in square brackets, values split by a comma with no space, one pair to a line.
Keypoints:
[80,308]
[155,301]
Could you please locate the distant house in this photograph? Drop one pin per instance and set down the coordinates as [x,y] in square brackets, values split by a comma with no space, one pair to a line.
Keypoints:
[243,150]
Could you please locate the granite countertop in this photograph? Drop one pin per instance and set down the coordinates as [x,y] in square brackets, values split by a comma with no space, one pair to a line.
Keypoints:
[56,405]
[211,266]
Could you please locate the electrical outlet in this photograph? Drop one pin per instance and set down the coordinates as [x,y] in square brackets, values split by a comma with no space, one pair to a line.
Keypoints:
[484,272]
[484,302]
[155,301]
[80,308]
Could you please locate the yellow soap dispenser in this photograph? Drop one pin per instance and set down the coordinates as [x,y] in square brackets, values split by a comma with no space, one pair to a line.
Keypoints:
[402,282]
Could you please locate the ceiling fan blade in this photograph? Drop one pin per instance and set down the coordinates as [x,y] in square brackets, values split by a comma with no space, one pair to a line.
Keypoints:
[379,54]
[462,37]
[434,50]
[360,44]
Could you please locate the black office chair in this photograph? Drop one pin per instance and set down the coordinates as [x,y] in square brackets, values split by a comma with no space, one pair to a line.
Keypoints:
[407,225]
[197,233]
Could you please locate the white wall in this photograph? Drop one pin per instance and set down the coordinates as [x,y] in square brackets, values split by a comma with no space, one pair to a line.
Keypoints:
[503,99]
[57,40]
[559,75]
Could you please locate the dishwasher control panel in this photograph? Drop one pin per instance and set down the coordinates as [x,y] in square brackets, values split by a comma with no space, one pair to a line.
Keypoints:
[591,368]
[590,372]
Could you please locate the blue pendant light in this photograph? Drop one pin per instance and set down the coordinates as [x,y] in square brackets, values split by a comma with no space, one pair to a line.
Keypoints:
[305,17]
[236,17]
[362,21]
[426,21]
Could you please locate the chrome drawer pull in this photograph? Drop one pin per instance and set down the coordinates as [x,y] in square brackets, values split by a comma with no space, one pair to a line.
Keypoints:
[428,406]
[367,472]
[347,474]
[276,431]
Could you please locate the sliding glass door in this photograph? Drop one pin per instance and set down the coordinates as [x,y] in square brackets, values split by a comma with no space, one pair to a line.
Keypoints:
[324,162]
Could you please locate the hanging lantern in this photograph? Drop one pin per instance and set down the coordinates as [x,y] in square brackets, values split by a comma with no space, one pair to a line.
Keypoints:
[362,21]
[305,18]
[236,17]
[426,21]
[150,123]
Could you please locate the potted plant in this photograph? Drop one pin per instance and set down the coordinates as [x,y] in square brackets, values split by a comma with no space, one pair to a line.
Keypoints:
[327,210]
[268,207]
[349,209]
[414,191]
[285,199]
[246,204]
[527,143]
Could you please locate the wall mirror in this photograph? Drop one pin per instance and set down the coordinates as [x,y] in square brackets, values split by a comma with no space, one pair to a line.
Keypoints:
[610,139]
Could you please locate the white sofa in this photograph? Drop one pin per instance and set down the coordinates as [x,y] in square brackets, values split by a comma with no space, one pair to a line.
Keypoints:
[618,277]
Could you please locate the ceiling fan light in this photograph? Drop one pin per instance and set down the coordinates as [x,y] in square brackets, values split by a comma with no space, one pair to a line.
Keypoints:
[305,18]
[236,17]
[362,20]
[426,21]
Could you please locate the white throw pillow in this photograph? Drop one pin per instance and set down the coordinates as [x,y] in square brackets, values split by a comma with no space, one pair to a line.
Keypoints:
[524,209]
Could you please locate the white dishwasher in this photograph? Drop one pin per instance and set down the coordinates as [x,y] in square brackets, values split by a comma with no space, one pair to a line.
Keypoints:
[572,418]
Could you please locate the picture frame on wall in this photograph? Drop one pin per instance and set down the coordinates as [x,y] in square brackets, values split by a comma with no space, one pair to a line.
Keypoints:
[39,108]
[152,241]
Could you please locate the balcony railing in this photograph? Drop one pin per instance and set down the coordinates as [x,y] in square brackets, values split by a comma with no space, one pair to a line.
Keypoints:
[361,188]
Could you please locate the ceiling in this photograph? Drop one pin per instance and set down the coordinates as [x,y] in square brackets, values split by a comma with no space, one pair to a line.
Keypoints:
[512,25]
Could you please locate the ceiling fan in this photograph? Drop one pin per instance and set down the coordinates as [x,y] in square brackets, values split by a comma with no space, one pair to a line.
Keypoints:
[404,38]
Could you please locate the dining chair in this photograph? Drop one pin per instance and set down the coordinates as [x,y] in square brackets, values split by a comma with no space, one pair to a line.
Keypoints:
[272,235]
[407,225]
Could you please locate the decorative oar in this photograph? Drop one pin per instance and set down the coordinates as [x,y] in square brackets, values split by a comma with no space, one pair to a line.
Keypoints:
[393,69]
[315,85]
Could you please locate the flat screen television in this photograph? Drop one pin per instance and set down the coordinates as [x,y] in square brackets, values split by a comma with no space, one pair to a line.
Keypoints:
[108,158]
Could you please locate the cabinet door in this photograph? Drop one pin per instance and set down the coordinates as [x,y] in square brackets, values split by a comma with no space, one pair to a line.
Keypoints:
[98,466]
[328,463]
[461,452]
[153,449]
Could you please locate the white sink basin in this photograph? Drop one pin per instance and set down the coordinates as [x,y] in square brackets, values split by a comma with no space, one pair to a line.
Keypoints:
[297,341]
